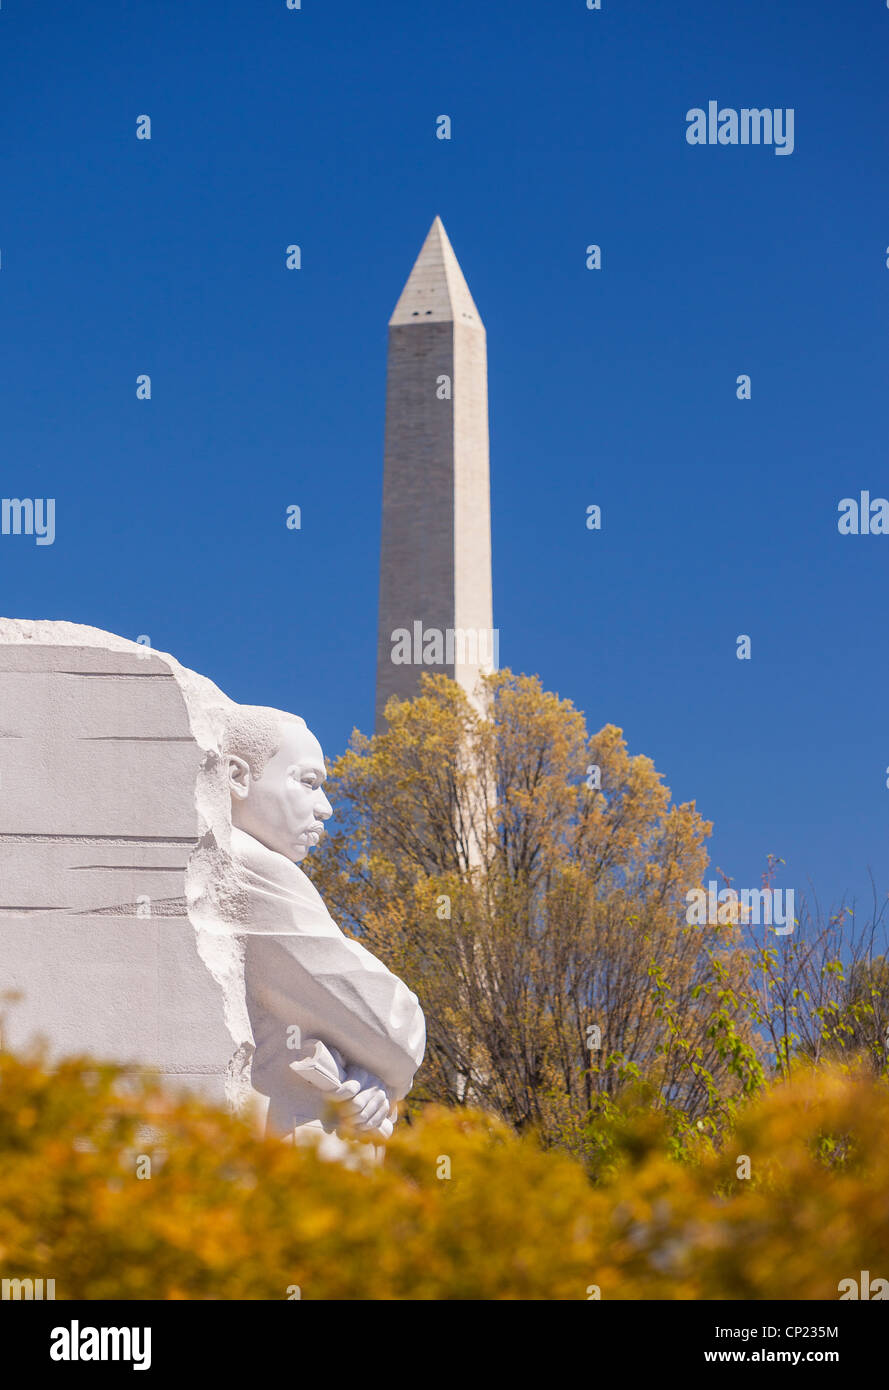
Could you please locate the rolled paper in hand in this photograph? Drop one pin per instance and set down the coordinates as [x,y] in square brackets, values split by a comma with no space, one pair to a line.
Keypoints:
[320,1067]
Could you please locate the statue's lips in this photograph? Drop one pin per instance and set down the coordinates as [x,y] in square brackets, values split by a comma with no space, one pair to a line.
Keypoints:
[311,837]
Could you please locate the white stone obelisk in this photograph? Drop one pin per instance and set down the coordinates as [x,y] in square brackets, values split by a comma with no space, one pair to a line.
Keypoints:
[435,563]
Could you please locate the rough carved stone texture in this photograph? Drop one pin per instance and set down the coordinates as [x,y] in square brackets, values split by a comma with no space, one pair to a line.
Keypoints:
[101,750]
[435,565]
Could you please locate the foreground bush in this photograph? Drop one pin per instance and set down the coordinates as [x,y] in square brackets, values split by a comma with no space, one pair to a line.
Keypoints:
[225,1216]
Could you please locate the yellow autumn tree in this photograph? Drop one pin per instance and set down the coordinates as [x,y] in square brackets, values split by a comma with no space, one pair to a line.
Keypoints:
[529,881]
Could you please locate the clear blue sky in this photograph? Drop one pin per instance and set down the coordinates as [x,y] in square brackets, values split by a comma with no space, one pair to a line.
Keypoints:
[317,126]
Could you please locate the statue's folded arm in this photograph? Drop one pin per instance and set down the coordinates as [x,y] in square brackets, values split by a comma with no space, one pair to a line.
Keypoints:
[331,988]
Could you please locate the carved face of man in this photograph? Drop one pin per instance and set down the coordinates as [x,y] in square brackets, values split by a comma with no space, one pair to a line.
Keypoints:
[284,808]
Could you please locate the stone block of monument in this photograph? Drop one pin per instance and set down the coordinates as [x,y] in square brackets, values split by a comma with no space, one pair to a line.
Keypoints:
[151,907]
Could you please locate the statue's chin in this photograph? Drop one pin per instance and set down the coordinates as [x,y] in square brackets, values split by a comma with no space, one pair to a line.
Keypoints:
[291,851]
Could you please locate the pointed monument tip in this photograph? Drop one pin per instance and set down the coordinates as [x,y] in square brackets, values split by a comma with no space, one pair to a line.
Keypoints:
[436,290]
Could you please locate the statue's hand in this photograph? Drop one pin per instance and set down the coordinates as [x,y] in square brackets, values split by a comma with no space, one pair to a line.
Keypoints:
[366,1101]
[388,1124]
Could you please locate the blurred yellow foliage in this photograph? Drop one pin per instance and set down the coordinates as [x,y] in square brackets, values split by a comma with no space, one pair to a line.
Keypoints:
[226,1216]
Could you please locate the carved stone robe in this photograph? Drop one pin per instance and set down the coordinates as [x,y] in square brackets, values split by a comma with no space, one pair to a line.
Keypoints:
[302,972]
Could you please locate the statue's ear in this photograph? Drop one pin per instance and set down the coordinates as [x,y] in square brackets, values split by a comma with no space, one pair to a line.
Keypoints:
[238,777]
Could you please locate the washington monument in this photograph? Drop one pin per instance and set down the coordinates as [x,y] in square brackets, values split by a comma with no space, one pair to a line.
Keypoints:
[435,563]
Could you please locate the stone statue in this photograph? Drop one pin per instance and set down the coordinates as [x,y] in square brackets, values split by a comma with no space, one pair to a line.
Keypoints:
[329,1021]
[153,910]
